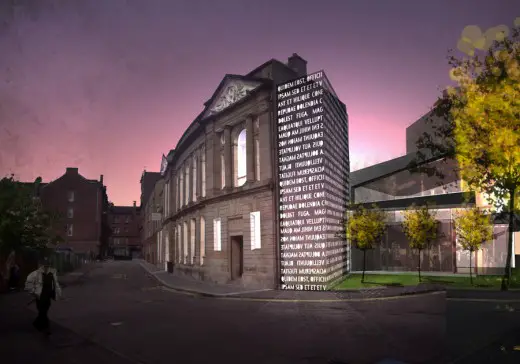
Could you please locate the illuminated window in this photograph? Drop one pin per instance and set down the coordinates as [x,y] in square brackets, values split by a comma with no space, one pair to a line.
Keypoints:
[185,241]
[203,172]
[187,184]
[217,238]
[194,187]
[179,244]
[256,242]
[202,239]
[257,159]
[222,171]
[193,225]
[70,212]
[70,229]
[241,158]
[70,196]
[181,189]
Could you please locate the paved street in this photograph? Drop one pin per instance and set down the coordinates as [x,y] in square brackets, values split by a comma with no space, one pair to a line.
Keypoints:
[119,307]
[483,327]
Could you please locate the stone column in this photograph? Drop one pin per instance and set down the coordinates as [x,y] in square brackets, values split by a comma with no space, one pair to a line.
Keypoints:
[227,156]
[250,149]
[198,156]
[190,173]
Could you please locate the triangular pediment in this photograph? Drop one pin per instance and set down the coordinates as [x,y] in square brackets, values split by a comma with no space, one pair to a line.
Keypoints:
[230,92]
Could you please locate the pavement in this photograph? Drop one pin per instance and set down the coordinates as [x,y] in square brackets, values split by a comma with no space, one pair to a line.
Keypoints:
[121,313]
[187,284]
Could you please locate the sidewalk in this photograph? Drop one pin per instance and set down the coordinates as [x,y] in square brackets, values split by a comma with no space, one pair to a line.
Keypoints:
[191,285]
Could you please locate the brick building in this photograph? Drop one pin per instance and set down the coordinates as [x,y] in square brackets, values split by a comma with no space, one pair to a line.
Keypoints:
[82,204]
[125,239]
[217,193]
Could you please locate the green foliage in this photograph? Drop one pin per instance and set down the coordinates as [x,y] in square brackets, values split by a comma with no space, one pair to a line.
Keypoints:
[419,226]
[474,227]
[23,222]
[365,227]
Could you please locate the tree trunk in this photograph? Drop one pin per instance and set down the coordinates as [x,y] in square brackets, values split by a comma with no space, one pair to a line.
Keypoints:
[364,265]
[419,267]
[507,273]
[470,272]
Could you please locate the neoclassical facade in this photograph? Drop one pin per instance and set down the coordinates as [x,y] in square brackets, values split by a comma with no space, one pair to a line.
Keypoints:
[218,211]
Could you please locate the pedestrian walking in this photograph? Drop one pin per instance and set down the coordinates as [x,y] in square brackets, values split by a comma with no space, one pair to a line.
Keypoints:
[43,285]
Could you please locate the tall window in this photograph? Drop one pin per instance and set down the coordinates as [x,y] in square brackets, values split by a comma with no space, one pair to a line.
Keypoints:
[179,244]
[185,241]
[70,196]
[257,159]
[194,184]
[70,229]
[222,171]
[177,192]
[166,199]
[202,239]
[181,188]
[70,212]
[203,172]
[241,158]
[193,226]
[256,242]
[217,236]
[187,184]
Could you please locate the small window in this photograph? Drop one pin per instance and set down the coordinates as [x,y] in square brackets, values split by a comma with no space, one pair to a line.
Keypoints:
[70,213]
[217,238]
[127,220]
[70,230]
[126,229]
[255,230]
[70,196]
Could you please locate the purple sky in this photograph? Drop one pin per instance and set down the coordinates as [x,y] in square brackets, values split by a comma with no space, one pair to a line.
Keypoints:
[108,86]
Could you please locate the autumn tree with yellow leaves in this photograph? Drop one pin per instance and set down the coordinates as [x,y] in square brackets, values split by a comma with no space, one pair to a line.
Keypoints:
[482,113]
[474,227]
[420,227]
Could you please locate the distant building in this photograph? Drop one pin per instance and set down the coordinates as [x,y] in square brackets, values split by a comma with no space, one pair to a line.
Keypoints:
[82,205]
[151,198]
[125,239]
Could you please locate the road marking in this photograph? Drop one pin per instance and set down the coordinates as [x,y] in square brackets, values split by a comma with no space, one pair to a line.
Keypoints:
[119,276]
[283,300]
[116,323]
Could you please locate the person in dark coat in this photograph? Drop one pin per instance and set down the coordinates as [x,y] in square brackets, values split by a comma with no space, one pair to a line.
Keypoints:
[14,277]
[44,286]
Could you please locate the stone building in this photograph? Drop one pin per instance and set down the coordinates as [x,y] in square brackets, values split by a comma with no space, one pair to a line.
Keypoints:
[82,204]
[152,186]
[125,239]
[219,198]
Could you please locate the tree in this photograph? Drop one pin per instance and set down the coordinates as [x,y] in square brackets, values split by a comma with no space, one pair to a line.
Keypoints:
[482,114]
[474,227]
[24,224]
[420,227]
[364,229]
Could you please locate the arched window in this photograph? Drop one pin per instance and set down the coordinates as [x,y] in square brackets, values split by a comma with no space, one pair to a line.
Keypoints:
[241,158]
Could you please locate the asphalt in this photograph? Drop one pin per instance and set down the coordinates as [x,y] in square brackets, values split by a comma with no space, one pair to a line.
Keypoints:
[118,310]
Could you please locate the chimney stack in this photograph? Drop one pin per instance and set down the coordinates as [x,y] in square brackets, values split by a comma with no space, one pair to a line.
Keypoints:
[134,204]
[298,65]
[101,179]
[70,170]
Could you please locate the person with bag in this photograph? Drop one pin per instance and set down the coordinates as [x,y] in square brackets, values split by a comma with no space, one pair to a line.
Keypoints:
[43,285]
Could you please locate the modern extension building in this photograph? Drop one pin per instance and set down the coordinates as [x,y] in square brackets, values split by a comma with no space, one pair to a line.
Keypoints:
[393,188]
[254,192]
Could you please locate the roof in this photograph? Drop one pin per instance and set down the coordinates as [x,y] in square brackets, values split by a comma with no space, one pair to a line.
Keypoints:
[387,168]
